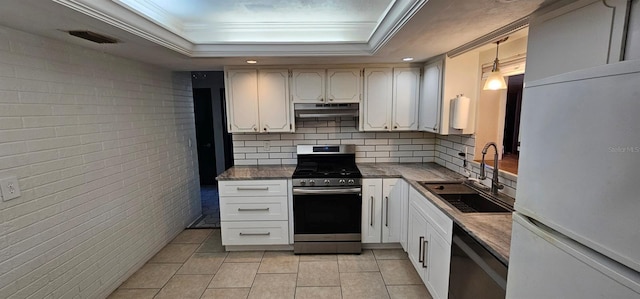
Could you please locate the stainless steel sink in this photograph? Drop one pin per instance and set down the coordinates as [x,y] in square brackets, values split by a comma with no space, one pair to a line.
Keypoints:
[467,199]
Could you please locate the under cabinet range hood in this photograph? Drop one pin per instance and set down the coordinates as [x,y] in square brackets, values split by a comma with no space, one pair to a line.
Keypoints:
[325,110]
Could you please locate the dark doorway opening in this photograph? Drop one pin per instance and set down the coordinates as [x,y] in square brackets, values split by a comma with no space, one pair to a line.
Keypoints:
[511,139]
[203,110]
[214,142]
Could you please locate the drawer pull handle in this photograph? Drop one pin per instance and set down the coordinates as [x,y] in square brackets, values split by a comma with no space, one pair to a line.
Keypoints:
[371,208]
[386,219]
[251,188]
[425,245]
[252,210]
[420,254]
[255,234]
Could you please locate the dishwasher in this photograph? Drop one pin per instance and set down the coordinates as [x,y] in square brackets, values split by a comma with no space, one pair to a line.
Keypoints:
[474,271]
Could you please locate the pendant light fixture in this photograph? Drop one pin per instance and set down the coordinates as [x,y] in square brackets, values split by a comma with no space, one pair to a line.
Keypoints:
[495,80]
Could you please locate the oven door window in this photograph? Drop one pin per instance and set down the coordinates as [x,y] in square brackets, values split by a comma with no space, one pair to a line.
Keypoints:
[327,214]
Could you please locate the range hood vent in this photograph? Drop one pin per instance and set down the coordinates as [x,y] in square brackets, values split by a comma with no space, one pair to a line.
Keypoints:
[326,110]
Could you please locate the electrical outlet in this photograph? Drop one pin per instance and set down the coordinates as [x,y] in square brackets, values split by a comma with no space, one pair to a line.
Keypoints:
[267,146]
[10,188]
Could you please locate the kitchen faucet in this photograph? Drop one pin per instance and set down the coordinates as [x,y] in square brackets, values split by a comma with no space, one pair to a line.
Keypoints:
[495,184]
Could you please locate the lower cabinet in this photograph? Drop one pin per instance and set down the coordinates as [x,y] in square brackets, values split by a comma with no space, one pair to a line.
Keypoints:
[254,212]
[383,203]
[428,246]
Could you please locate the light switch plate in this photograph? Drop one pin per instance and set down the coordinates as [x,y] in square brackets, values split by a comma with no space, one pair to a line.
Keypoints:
[10,188]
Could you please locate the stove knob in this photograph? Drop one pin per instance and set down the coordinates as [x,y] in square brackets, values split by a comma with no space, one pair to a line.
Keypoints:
[351,182]
[327,182]
[312,182]
[341,182]
[303,182]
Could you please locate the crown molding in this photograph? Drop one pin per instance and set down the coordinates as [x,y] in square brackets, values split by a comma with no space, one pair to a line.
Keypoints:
[171,35]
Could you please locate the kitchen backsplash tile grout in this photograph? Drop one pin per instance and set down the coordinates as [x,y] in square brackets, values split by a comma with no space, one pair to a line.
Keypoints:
[400,147]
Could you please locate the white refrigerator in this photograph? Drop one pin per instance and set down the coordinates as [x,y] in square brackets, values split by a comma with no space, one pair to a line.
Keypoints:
[576,229]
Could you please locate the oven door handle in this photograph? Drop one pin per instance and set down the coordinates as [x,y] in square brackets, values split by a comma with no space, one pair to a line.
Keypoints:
[312,191]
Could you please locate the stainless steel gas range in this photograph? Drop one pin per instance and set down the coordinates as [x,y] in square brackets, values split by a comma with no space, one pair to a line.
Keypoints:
[327,200]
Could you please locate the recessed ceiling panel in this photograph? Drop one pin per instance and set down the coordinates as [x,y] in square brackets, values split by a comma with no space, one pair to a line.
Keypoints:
[265,21]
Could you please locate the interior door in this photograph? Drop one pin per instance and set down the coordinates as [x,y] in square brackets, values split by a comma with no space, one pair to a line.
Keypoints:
[203,113]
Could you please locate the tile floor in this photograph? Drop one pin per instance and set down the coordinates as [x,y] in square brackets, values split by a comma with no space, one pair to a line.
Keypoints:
[195,265]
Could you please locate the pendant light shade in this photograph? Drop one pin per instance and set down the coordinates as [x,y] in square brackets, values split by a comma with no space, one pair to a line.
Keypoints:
[496,79]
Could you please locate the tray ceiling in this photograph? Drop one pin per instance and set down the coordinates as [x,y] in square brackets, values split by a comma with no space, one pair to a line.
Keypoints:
[200,28]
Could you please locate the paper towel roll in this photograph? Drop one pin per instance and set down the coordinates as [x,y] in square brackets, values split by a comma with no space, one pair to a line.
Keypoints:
[461,105]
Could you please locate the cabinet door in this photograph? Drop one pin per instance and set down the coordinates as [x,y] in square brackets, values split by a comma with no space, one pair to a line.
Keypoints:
[343,85]
[438,255]
[371,210]
[402,189]
[579,35]
[378,94]
[417,234]
[242,100]
[308,86]
[391,210]
[430,97]
[273,99]
[406,93]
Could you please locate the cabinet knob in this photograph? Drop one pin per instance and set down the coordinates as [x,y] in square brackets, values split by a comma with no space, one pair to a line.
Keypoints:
[386,127]
[321,100]
[395,127]
[330,100]
[265,129]
[255,129]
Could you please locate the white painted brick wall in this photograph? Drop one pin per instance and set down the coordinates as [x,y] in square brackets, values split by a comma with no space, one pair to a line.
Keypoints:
[100,145]
[447,149]
[402,147]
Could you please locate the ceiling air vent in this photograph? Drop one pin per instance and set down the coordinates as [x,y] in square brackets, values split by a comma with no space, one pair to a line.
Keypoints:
[94,37]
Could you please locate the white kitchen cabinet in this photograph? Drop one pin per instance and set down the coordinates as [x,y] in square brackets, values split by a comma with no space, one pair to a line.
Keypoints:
[344,85]
[328,86]
[242,100]
[273,94]
[431,97]
[254,212]
[258,100]
[371,210]
[308,85]
[578,35]
[406,93]
[390,99]
[394,200]
[383,201]
[429,243]
[445,78]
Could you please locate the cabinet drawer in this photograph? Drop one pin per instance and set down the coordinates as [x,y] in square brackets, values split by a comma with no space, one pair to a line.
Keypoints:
[441,222]
[253,208]
[253,188]
[255,233]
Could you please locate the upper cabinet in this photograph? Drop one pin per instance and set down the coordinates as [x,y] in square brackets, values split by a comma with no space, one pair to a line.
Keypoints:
[444,79]
[258,100]
[326,86]
[390,99]
[578,35]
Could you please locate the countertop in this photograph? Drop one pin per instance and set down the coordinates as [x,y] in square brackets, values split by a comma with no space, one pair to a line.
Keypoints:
[492,230]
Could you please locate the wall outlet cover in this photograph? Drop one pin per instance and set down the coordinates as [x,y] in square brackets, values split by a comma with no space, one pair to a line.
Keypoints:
[10,188]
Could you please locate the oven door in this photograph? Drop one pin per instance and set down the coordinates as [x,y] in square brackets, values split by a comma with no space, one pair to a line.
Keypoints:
[327,214]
